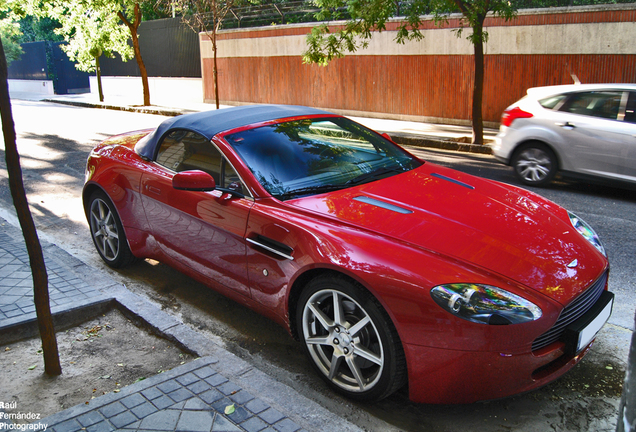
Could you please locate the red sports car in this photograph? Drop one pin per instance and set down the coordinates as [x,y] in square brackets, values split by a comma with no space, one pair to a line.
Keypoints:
[390,270]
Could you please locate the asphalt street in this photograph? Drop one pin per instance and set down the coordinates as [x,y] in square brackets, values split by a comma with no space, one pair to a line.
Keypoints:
[54,142]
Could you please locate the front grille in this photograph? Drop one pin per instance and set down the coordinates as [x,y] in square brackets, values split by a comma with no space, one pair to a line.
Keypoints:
[571,313]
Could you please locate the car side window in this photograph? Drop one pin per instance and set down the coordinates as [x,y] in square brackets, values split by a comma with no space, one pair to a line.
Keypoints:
[552,102]
[602,104]
[630,110]
[183,150]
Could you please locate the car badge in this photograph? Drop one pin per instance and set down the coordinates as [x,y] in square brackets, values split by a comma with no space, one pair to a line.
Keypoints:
[573,263]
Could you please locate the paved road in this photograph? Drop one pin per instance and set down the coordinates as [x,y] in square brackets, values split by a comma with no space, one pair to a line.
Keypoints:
[54,142]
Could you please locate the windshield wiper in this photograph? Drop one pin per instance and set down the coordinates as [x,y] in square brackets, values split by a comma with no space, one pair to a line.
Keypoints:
[310,190]
[373,175]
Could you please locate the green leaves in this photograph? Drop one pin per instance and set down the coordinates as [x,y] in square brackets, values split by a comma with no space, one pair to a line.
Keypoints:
[230,409]
[10,33]
[91,27]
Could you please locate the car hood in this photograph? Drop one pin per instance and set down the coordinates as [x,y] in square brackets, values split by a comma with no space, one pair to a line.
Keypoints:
[500,228]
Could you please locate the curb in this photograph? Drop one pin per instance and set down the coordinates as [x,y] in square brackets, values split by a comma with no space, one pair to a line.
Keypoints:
[442,144]
[170,112]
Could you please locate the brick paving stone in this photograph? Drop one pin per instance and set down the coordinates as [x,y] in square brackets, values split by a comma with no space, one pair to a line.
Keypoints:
[211,396]
[221,404]
[161,421]
[239,415]
[14,313]
[180,395]
[9,282]
[169,386]
[133,400]
[198,387]
[228,388]
[151,393]
[162,402]
[179,405]
[286,425]
[101,427]
[90,418]
[204,372]
[10,299]
[271,416]
[196,421]
[28,309]
[254,424]
[25,283]
[68,426]
[256,406]
[242,397]
[196,404]
[112,409]
[187,379]
[143,410]
[123,419]
[216,380]
[221,424]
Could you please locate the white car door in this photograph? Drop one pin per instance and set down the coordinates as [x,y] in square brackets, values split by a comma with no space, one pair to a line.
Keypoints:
[590,125]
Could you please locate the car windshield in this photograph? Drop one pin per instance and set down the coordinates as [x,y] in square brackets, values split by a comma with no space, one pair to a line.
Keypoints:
[312,156]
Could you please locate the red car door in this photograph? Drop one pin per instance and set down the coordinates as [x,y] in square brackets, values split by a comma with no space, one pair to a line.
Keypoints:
[203,230]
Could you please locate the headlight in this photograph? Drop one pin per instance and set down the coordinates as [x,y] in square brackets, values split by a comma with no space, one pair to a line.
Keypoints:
[485,304]
[587,232]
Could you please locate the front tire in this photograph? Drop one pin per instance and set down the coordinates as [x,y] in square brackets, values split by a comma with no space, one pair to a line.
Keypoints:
[535,164]
[350,339]
[107,231]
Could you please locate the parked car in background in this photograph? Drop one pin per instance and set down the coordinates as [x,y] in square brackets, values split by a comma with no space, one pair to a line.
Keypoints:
[388,269]
[586,132]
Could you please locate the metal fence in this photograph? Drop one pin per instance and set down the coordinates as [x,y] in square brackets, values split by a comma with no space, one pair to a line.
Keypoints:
[32,64]
[46,61]
[267,14]
[168,47]
[289,12]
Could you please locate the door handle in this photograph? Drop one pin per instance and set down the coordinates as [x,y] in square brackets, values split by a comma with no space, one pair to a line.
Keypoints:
[154,190]
[566,125]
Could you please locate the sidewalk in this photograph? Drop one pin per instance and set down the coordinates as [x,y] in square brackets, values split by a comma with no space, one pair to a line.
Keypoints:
[191,397]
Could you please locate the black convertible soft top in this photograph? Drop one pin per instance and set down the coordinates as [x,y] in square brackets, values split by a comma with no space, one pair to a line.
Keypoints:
[210,123]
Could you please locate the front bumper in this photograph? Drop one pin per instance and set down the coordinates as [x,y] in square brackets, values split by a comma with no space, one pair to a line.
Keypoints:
[440,376]
[445,376]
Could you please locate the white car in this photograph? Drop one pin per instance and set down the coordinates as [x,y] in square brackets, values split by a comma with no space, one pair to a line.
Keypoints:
[582,131]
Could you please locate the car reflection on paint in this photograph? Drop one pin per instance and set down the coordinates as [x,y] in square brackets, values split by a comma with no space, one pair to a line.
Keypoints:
[390,270]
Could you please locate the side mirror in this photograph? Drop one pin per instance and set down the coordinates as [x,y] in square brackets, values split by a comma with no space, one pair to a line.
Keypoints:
[193,181]
[386,135]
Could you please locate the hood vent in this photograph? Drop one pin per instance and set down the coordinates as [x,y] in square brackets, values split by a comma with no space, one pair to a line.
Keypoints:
[382,204]
[452,180]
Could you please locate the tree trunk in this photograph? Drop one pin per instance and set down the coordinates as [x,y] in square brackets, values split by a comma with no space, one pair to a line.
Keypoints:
[215,71]
[135,41]
[99,79]
[36,258]
[142,68]
[478,89]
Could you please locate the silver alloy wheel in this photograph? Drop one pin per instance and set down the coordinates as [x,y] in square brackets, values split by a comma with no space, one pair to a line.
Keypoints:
[343,340]
[534,165]
[104,230]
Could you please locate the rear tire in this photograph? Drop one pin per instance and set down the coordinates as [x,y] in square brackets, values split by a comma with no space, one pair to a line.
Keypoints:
[350,339]
[535,164]
[107,231]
